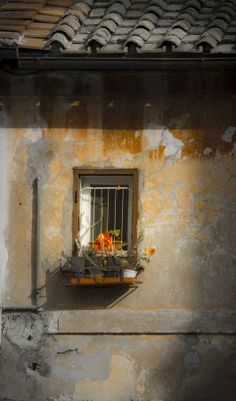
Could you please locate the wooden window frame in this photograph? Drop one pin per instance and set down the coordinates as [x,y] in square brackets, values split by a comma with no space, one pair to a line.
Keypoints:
[78,171]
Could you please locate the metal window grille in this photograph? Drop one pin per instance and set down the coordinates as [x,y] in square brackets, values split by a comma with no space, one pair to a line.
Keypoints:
[105,208]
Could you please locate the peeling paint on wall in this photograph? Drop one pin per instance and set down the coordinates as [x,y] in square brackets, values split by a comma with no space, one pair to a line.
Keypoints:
[161,136]
[228,135]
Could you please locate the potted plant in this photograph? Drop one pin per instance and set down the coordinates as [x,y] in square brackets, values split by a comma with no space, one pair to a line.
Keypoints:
[138,257]
[106,255]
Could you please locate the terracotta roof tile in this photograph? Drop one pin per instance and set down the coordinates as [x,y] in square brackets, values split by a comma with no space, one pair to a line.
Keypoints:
[118,26]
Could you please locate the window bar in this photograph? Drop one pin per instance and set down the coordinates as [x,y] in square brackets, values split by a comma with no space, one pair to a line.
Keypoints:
[108,205]
[122,217]
[115,209]
[101,203]
[93,221]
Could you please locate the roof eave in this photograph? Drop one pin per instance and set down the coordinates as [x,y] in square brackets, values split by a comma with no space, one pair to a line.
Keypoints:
[42,61]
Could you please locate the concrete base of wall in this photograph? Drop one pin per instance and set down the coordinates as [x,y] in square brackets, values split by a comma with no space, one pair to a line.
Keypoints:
[39,366]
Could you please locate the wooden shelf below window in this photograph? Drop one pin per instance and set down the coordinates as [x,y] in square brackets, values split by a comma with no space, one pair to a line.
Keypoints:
[99,280]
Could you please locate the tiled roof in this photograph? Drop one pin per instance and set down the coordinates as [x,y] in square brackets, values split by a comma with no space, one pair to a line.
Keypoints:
[119,26]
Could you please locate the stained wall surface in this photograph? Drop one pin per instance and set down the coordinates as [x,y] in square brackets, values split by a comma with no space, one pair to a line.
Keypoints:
[178,129]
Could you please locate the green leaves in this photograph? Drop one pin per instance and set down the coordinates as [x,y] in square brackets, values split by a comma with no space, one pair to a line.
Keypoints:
[115,233]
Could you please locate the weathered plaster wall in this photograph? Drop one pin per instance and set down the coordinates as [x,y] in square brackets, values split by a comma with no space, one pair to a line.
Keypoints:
[178,139]
[179,130]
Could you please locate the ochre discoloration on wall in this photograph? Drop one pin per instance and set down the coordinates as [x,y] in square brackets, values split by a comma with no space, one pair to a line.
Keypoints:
[124,141]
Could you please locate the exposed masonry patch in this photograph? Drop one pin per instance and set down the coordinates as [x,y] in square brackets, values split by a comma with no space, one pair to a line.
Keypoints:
[4,193]
[31,363]
[93,367]
[161,136]
[25,330]
[228,135]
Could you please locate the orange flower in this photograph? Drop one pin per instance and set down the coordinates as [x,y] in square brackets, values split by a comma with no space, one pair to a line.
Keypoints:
[103,241]
[99,244]
[152,251]
[149,252]
[108,241]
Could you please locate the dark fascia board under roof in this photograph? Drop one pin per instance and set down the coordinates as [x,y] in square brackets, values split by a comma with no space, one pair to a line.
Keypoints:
[39,60]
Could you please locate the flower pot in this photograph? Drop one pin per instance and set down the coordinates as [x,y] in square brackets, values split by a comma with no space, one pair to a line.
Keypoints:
[77,263]
[128,273]
[116,244]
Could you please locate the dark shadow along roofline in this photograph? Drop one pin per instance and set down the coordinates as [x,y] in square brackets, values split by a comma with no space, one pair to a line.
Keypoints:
[25,59]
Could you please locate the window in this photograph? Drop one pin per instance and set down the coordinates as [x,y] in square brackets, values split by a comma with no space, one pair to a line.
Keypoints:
[105,200]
